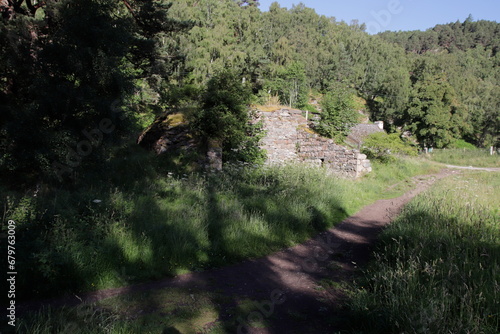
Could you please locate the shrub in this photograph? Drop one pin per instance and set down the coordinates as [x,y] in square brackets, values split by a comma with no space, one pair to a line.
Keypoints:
[338,115]
[382,146]
[224,118]
[460,143]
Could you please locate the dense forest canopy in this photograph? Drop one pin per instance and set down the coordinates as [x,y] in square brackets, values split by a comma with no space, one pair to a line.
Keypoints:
[76,76]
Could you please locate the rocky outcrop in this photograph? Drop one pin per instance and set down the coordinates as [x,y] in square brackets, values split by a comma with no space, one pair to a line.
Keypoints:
[168,133]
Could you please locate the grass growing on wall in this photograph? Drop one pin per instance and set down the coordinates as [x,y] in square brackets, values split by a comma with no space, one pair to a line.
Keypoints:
[437,266]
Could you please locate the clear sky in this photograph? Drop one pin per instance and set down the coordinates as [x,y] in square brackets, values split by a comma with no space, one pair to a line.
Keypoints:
[381,15]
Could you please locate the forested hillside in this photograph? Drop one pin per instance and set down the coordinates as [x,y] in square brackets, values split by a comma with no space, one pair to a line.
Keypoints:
[79,77]
[87,85]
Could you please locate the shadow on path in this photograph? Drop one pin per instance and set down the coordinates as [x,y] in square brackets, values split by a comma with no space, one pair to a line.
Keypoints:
[297,290]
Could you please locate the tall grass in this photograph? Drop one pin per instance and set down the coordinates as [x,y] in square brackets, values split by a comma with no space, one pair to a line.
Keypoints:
[86,319]
[437,266]
[466,157]
[150,222]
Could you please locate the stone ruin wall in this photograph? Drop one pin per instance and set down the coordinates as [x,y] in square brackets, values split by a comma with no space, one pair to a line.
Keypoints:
[289,139]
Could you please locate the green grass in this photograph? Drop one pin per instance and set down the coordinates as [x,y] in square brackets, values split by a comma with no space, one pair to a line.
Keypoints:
[151,223]
[167,310]
[466,157]
[154,221]
[437,266]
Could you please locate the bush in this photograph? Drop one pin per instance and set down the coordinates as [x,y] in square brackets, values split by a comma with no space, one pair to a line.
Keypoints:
[338,115]
[224,118]
[382,146]
[460,143]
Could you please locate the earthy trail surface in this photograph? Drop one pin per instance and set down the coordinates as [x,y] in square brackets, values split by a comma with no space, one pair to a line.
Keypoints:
[485,169]
[288,286]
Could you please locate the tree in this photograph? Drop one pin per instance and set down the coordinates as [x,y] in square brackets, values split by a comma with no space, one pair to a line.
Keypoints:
[289,84]
[338,114]
[224,118]
[485,116]
[248,3]
[434,115]
[67,68]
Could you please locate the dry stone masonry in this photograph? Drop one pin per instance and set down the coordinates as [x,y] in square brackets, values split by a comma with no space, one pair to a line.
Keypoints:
[289,139]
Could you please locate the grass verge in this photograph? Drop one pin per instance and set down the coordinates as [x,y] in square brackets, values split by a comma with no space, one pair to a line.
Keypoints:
[465,157]
[150,222]
[437,266]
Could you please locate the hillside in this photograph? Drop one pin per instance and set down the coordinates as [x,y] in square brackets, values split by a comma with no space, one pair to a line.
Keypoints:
[61,77]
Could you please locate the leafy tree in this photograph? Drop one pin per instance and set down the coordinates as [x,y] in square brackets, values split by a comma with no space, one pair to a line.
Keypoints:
[290,84]
[434,115]
[225,35]
[224,118]
[338,114]
[452,37]
[247,2]
[485,115]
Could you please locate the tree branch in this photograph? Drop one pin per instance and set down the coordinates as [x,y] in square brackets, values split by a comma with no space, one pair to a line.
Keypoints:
[130,9]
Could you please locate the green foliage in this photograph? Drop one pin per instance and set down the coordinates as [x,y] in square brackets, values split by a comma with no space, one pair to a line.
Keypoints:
[338,114]
[462,144]
[60,75]
[289,51]
[152,222]
[433,115]
[466,53]
[224,118]
[289,83]
[246,148]
[311,109]
[224,108]
[452,37]
[436,267]
[382,146]
[65,72]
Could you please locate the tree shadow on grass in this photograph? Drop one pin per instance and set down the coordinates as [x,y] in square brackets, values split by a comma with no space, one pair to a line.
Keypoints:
[443,270]
[242,296]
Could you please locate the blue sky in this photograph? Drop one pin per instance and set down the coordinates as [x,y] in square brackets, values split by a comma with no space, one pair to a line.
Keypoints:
[381,15]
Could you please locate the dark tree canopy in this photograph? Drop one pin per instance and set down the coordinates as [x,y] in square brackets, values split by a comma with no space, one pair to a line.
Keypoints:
[67,67]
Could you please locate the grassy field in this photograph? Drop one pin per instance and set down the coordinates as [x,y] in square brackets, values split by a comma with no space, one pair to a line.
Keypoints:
[437,268]
[146,223]
[465,157]
[150,222]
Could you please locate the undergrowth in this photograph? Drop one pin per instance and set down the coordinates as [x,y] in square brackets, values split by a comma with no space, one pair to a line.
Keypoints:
[436,268]
[142,220]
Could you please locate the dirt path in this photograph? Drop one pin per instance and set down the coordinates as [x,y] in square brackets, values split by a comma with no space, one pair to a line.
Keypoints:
[485,169]
[289,286]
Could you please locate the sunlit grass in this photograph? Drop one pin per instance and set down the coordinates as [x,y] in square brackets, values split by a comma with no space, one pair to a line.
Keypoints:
[466,157]
[173,223]
[152,223]
[437,266]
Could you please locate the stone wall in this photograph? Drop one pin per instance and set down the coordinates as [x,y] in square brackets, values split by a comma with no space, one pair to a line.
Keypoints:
[359,132]
[289,139]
